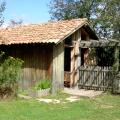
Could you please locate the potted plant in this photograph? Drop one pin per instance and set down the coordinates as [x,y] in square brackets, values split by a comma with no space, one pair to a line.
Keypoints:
[41,88]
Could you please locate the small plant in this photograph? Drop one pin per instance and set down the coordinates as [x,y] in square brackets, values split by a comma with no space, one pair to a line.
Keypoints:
[43,84]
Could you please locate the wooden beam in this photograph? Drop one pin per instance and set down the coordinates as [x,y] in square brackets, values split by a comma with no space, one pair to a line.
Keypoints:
[75,59]
[95,43]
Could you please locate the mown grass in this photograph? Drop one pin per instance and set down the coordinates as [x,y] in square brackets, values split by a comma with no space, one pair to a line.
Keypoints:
[106,107]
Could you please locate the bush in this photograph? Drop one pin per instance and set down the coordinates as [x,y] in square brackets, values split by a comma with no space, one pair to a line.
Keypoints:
[9,72]
[43,84]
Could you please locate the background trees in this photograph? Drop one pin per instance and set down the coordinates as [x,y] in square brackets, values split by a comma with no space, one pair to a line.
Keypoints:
[2,8]
[104,15]
[14,23]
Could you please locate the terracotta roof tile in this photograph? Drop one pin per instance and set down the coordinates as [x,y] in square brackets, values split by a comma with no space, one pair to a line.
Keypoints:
[51,32]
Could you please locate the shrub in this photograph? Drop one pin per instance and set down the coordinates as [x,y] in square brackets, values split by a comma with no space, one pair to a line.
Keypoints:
[43,84]
[9,72]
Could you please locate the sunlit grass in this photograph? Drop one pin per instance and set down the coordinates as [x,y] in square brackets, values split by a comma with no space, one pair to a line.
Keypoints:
[106,107]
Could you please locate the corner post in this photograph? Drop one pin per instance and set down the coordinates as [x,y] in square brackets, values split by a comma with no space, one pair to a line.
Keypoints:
[58,68]
[116,82]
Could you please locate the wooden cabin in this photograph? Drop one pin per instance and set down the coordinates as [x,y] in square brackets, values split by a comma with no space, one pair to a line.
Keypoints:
[49,51]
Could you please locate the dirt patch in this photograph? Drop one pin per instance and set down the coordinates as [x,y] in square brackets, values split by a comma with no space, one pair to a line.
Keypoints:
[24,96]
[82,92]
[72,99]
[106,106]
[55,101]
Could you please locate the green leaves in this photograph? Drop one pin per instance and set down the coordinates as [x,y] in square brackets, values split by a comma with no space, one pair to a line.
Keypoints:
[10,70]
[2,8]
[43,84]
[104,15]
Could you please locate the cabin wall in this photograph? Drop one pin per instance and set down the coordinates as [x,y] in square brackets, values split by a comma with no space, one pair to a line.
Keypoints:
[37,62]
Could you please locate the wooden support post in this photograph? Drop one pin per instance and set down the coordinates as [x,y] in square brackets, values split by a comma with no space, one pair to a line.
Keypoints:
[58,68]
[77,59]
[116,82]
[72,68]
[116,58]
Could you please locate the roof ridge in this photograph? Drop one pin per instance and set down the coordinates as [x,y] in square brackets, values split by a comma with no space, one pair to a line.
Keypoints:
[45,23]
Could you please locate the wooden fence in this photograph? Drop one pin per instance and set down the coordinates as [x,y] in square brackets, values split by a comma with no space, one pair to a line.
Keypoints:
[95,77]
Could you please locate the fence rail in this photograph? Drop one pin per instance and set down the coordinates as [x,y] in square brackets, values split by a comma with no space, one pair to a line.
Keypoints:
[95,77]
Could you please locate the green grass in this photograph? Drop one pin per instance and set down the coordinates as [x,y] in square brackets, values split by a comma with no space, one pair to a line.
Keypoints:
[106,107]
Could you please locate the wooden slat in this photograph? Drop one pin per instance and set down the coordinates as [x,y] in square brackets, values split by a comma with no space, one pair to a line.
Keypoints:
[92,77]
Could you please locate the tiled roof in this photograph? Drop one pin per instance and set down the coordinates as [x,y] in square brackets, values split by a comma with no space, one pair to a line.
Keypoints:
[51,32]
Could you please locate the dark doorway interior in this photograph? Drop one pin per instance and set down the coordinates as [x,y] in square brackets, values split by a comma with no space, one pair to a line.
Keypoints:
[67,60]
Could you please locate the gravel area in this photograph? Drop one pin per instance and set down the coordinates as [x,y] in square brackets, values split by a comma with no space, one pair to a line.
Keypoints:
[82,92]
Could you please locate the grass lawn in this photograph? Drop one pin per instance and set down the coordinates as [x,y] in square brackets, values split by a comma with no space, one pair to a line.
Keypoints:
[106,107]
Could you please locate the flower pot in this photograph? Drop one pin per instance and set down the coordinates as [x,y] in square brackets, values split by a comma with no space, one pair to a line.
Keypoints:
[40,93]
[43,92]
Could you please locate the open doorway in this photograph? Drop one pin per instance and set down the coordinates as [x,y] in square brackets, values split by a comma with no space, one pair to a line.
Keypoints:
[67,60]
[67,67]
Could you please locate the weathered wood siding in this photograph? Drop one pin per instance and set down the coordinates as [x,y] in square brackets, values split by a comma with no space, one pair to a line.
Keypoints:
[58,68]
[37,62]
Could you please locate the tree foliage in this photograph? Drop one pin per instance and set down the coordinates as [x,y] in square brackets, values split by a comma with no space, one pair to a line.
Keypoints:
[68,9]
[104,15]
[2,8]
[14,23]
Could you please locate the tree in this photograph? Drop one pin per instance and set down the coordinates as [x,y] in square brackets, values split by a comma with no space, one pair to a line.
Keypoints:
[2,8]
[15,22]
[104,15]
[111,16]
[68,9]
[108,21]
